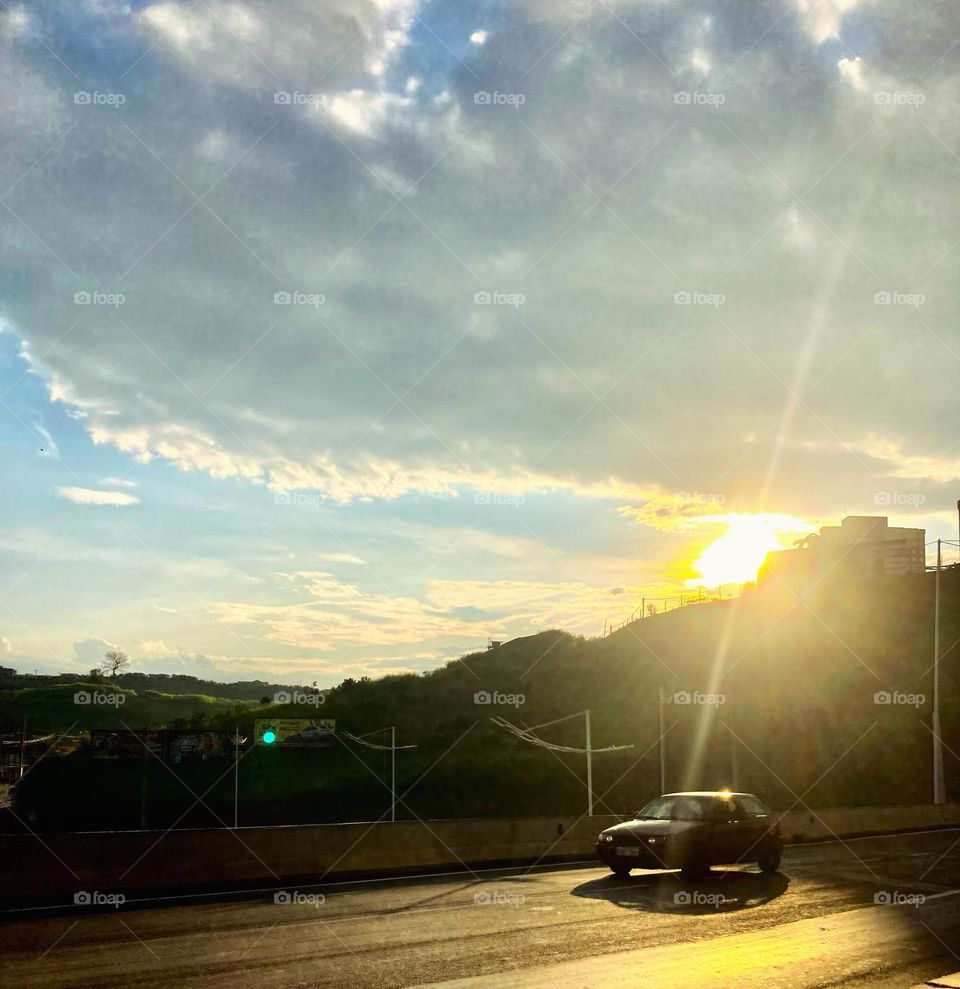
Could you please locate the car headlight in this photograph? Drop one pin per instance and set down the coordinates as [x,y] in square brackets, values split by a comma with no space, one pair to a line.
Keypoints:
[604,837]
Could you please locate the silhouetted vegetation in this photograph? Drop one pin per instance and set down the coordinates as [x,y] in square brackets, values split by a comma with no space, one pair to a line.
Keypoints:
[799,721]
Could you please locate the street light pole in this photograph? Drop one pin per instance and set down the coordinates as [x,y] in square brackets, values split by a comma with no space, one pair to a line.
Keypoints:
[938,789]
[589,768]
[663,753]
[393,773]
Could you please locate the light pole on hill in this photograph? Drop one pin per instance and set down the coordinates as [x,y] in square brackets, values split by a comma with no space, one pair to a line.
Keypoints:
[938,789]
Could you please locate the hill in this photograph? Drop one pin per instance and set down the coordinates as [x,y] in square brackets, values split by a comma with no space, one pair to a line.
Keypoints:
[824,697]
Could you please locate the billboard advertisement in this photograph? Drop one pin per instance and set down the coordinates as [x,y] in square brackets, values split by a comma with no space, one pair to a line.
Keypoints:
[295,732]
[108,743]
[185,745]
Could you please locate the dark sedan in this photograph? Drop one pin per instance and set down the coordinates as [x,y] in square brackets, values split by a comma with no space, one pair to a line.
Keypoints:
[691,832]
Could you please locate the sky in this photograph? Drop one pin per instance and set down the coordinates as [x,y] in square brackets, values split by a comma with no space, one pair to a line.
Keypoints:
[338,338]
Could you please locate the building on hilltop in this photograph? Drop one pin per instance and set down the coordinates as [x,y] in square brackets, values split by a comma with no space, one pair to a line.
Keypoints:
[861,544]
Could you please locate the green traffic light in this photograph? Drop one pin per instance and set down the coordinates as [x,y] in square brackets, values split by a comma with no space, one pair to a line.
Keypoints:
[269,737]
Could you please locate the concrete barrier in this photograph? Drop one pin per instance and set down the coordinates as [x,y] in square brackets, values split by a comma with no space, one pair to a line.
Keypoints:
[55,867]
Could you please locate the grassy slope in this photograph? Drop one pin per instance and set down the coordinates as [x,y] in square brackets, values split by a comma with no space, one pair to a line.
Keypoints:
[799,697]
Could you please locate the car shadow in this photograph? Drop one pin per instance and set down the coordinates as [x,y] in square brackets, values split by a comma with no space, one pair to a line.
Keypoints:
[720,891]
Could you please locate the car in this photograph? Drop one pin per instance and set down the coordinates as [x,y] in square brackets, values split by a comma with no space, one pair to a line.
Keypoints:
[692,831]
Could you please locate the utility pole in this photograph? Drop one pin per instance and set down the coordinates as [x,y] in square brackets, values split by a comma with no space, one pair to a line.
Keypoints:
[586,715]
[393,773]
[662,746]
[23,742]
[938,794]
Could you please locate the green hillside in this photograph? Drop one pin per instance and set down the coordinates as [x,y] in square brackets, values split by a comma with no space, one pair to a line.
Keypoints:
[799,718]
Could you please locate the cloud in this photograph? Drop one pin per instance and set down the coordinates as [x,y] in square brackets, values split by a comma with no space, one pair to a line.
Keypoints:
[423,372]
[341,558]
[91,496]
[337,615]
[90,652]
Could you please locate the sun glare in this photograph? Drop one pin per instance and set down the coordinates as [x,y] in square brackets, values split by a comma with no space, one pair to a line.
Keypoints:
[738,554]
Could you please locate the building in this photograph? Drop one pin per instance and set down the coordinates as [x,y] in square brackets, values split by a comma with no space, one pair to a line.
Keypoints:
[863,544]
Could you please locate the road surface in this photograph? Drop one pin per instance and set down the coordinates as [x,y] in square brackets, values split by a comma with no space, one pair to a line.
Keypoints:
[821,921]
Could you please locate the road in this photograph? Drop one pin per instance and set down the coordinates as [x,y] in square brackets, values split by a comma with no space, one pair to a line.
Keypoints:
[816,923]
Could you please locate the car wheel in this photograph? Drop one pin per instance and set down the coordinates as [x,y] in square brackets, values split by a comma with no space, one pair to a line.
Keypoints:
[769,861]
[620,871]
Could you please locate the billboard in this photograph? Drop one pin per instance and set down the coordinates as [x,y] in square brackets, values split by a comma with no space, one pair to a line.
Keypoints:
[185,745]
[295,732]
[108,743]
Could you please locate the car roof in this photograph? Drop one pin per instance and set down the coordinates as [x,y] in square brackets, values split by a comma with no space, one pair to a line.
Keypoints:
[719,794]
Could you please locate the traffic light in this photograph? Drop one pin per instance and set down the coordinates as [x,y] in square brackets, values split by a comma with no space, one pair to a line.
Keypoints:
[269,737]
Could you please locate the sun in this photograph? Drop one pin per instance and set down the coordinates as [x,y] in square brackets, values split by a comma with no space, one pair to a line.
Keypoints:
[739,553]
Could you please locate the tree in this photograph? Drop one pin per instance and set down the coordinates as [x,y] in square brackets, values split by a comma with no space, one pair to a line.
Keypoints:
[115,661]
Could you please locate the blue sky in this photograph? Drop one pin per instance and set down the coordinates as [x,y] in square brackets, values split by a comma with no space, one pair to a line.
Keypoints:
[337,338]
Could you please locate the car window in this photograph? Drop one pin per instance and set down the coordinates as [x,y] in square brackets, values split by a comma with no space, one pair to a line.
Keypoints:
[673,809]
[751,806]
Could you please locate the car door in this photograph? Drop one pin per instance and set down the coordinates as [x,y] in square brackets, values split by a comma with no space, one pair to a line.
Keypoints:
[755,823]
[727,841]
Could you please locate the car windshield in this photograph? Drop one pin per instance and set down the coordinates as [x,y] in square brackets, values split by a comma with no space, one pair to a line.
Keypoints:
[680,809]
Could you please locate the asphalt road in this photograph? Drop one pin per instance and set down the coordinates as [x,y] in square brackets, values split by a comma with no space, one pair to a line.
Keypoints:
[816,923]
